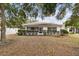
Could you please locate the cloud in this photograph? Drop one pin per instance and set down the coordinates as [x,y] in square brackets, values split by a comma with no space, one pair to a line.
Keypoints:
[53,19]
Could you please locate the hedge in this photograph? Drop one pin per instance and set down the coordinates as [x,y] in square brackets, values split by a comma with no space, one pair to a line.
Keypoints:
[63,32]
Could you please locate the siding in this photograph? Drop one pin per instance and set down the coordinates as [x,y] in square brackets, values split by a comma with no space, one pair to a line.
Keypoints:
[11,31]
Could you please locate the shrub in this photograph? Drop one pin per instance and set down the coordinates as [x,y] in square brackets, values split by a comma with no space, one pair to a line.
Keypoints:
[24,32]
[63,32]
[21,32]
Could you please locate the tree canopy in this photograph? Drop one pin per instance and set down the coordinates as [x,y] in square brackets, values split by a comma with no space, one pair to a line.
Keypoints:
[17,14]
[74,20]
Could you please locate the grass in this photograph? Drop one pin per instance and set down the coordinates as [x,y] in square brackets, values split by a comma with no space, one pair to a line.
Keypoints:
[41,45]
[75,39]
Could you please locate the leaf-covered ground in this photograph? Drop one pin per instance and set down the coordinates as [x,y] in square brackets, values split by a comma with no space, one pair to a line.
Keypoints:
[41,45]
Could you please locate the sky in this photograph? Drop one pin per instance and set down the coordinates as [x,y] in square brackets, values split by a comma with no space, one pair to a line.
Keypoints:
[53,19]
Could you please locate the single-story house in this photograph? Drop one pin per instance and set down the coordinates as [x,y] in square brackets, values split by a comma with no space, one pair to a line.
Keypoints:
[45,28]
[42,28]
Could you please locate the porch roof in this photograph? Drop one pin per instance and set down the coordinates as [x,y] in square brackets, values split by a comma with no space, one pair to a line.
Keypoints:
[42,24]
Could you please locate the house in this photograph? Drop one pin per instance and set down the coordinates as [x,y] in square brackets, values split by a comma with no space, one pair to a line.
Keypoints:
[46,28]
[72,29]
[42,28]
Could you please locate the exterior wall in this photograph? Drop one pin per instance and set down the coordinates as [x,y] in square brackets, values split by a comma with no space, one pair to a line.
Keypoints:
[50,29]
[45,28]
[63,27]
[58,28]
[11,31]
[68,29]
[39,30]
[71,29]
[25,28]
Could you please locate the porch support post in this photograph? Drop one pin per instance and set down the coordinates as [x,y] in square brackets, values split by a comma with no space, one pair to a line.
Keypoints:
[58,30]
[74,30]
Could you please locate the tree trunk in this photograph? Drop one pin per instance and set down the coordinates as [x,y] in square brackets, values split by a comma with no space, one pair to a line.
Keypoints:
[3,30]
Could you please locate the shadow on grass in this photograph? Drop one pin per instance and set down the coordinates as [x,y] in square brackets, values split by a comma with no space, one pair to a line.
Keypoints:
[6,42]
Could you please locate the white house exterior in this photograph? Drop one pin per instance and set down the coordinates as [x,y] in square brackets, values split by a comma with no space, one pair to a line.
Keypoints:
[11,31]
[43,27]
[49,28]
[72,29]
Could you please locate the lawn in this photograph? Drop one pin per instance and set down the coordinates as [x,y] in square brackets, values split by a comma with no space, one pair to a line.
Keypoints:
[41,45]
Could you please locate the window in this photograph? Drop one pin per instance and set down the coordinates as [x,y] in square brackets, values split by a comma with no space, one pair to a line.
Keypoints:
[54,29]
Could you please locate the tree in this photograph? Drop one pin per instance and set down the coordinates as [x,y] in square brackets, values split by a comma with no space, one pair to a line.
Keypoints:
[14,17]
[62,10]
[74,20]
[32,9]
[48,9]
[3,34]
